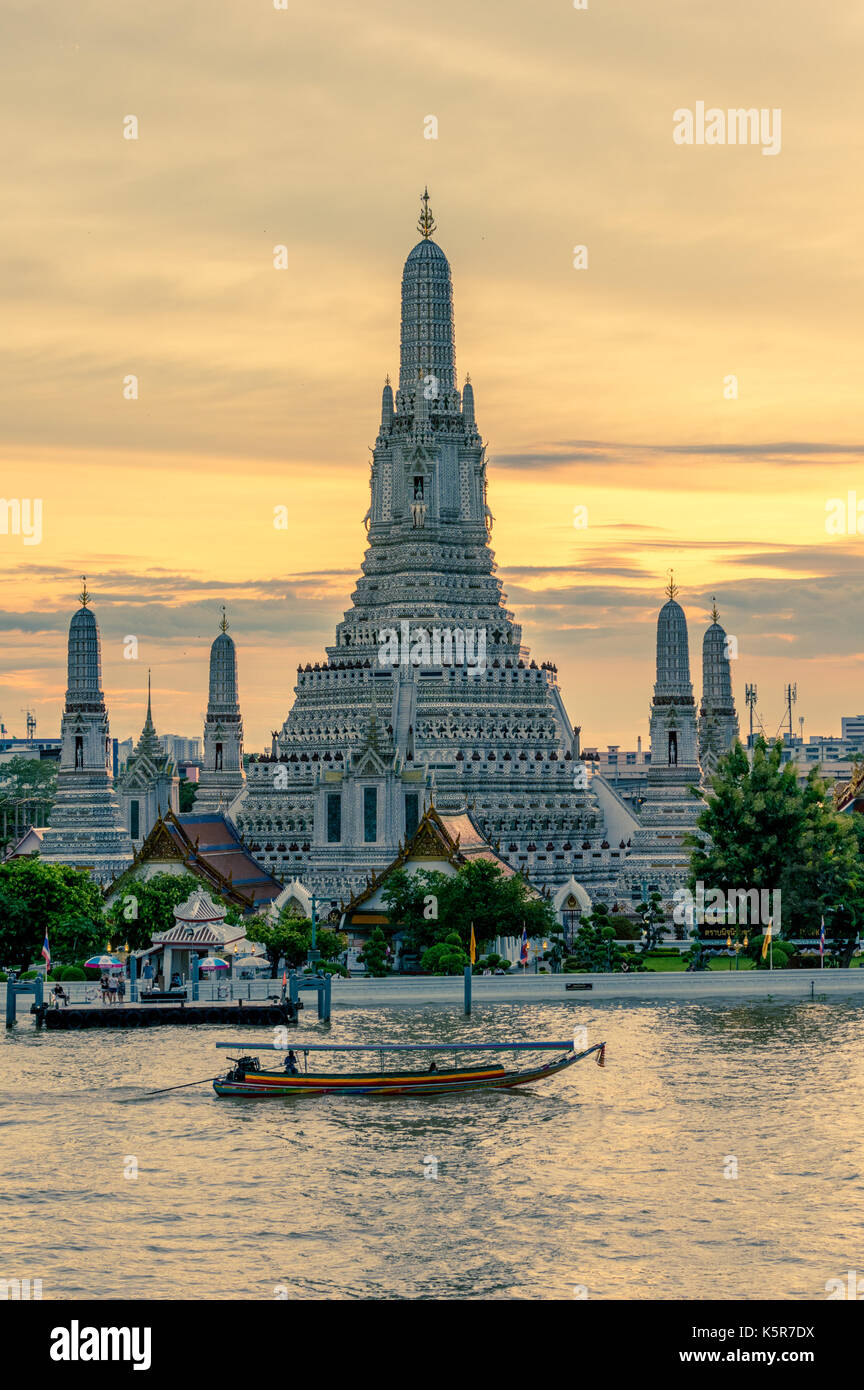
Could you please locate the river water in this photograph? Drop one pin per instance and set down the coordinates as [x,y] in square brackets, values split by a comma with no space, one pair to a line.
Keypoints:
[605,1183]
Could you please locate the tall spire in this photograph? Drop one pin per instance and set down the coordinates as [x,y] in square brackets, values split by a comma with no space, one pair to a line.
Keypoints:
[672,588]
[426,225]
[223,624]
[427,347]
[84,596]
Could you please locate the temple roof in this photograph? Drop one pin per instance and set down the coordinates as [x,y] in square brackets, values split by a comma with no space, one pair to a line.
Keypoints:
[208,845]
[454,837]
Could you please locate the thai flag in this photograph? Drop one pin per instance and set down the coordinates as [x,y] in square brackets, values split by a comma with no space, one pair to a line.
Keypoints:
[822,938]
[46,951]
[523,950]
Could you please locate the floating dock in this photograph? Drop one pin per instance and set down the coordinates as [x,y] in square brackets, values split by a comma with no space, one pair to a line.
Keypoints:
[253,1015]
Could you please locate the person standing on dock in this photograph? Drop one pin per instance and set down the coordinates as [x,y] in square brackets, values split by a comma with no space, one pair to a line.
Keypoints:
[105,984]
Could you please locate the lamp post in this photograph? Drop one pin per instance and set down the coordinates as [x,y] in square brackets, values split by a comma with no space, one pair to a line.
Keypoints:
[313,954]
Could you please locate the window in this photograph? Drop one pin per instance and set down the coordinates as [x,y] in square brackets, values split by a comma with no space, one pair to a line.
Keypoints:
[412,814]
[370,815]
[134,819]
[334,818]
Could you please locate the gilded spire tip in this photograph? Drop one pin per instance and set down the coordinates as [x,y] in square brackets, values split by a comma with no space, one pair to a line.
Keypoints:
[715,616]
[223,625]
[672,587]
[84,596]
[426,225]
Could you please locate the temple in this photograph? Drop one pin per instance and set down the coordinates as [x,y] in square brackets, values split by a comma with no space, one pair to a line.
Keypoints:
[222,776]
[427,688]
[149,783]
[718,721]
[659,859]
[86,828]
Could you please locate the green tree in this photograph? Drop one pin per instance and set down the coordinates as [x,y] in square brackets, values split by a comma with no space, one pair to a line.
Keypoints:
[290,937]
[761,830]
[478,894]
[144,907]
[447,957]
[61,901]
[27,790]
[188,792]
[594,949]
[653,918]
[374,954]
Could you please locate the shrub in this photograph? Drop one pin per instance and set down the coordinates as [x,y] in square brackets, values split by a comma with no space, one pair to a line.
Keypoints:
[72,972]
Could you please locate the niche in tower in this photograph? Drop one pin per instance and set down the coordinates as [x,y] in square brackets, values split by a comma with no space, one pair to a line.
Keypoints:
[673,748]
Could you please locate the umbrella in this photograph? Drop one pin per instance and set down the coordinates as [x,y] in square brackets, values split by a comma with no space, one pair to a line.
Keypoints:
[251,963]
[213,963]
[104,963]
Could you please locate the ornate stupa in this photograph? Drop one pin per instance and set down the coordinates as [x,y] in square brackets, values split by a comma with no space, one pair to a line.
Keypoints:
[86,828]
[718,720]
[462,712]
[149,784]
[222,776]
[659,858]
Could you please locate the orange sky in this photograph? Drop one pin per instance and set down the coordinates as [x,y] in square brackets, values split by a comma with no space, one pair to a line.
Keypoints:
[259,387]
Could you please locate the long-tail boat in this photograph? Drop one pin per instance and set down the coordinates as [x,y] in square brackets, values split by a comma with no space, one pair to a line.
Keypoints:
[248,1078]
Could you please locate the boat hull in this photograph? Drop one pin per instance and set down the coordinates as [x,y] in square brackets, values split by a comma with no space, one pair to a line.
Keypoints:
[259,1084]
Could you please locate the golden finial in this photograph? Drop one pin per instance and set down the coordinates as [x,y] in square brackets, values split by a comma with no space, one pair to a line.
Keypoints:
[672,587]
[224,623]
[715,616]
[84,596]
[426,225]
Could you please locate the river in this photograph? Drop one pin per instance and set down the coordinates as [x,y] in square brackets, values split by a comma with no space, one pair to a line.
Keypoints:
[606,1183]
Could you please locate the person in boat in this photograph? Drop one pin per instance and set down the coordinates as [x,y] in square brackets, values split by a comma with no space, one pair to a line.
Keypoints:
[291,1067]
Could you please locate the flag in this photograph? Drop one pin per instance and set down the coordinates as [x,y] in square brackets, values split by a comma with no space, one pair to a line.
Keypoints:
[767,941]
[822,938]
[472,948]
[46,951]
[523,950]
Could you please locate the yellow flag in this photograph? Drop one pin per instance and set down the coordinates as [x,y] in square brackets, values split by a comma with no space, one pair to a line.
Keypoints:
[472,949]
[767,941]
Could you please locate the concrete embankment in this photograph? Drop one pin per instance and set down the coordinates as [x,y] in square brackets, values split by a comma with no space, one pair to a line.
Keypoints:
[675,987]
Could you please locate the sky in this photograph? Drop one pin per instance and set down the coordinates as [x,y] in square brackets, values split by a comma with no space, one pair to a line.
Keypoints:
[605,387]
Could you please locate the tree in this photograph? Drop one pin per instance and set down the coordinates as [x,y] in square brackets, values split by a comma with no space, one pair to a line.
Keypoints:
[446,957]
[27,790]
[61,901]
[761,830]
[375,954]
[288,938]
[653,918]
[429,906]
[147,907]
[595,949]
[188,792]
